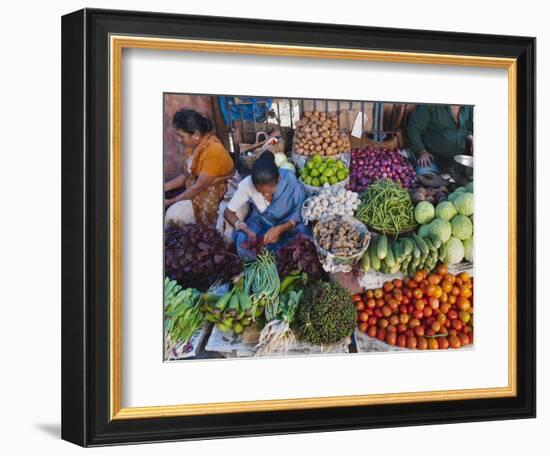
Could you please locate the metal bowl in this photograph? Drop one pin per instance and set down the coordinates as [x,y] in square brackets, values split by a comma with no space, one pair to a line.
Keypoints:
[465,164]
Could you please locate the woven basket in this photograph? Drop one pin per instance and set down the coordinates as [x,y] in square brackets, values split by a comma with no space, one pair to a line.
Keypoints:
[334,263]
[391,143]
[248,158]
[312,190]
[300,160]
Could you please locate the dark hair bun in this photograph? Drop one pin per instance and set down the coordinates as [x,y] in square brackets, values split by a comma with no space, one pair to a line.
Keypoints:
[191,121]
[267,155]
[207,125]
[264,170]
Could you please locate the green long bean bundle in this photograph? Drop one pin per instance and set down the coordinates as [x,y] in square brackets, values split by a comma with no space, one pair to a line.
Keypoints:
[262,283]
[386,206]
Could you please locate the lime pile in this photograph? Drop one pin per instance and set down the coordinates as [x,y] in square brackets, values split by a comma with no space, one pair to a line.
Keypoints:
[318,172]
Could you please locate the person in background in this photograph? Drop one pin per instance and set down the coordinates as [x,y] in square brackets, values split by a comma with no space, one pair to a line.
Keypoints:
[276,197]
[208,168]
[439,132]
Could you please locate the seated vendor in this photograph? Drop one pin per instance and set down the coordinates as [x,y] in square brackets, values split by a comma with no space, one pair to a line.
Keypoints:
[208,168]
[439,132]
[276,197]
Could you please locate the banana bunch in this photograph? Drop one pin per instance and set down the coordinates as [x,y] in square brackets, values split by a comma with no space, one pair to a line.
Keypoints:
[406,255]
[232,312]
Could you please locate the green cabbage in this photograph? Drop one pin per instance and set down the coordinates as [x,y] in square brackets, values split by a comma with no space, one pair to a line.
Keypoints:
[288,165]
[424,230]
[453,196]
[469,249]
[465,203]
[462,227]
[280,158]
[454,251]
[445,210]
[440,229]
[424,212]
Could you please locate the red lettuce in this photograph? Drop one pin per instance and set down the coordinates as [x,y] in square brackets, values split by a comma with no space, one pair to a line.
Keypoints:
[299,254]
[197,256]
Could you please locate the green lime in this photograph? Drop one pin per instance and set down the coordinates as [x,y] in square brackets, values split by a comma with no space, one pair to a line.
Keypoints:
[332,180]
[308,180]
[315,182]
[321,168]
[314,172]
[341,175]
[328,172]
[310,164]
[304,172]
[340,164]
[323,180]
[331,161]
[317,159]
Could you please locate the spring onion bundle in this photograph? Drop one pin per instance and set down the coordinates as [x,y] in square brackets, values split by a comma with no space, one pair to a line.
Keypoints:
[262,283]
[276,336]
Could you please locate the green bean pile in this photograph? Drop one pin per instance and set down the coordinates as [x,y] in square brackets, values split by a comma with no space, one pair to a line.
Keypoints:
[262,283]
[386,207]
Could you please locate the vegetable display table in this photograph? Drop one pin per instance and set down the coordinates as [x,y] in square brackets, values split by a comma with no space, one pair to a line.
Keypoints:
[189,350]
[231,345]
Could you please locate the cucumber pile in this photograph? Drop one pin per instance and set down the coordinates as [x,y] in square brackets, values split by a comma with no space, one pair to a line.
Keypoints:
[406,255]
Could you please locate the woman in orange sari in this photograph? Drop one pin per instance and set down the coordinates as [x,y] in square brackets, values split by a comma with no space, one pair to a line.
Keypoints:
[208,168]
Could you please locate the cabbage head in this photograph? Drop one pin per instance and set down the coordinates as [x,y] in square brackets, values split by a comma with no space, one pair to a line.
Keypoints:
[424,230]
[445,210]
[469,249]
[280,158]
[424,212]
[465,203]
[462,227]
[440,229]
[454,251]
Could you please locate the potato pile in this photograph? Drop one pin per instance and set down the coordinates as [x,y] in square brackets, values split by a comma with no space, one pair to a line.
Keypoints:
[338,236]
[317,133]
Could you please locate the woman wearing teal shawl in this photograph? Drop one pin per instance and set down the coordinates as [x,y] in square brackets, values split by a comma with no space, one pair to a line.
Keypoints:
[276,197]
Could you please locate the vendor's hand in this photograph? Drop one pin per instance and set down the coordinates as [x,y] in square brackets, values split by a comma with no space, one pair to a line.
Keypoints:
[272,235]
[167,202]
[189,182]
[425,158]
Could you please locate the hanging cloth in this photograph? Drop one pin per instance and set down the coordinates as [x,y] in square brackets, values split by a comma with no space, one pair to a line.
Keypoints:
[252,111]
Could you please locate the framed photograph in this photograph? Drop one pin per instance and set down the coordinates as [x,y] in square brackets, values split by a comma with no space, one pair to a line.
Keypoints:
[276,227]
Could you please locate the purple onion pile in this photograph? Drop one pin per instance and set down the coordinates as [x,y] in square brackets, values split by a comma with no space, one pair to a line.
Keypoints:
[369,165]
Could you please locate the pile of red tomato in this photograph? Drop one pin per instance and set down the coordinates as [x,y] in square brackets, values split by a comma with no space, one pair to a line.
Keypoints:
[426,312]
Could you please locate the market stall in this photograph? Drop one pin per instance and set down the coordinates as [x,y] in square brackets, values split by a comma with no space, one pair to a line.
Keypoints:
[387,266]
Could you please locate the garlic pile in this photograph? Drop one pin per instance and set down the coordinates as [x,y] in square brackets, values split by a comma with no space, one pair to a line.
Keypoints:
[330,201]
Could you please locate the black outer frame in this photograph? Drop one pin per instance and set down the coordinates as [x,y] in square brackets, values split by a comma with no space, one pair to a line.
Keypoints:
[85,227]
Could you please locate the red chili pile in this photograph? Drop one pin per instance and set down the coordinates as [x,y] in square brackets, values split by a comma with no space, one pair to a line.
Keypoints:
[426,312]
